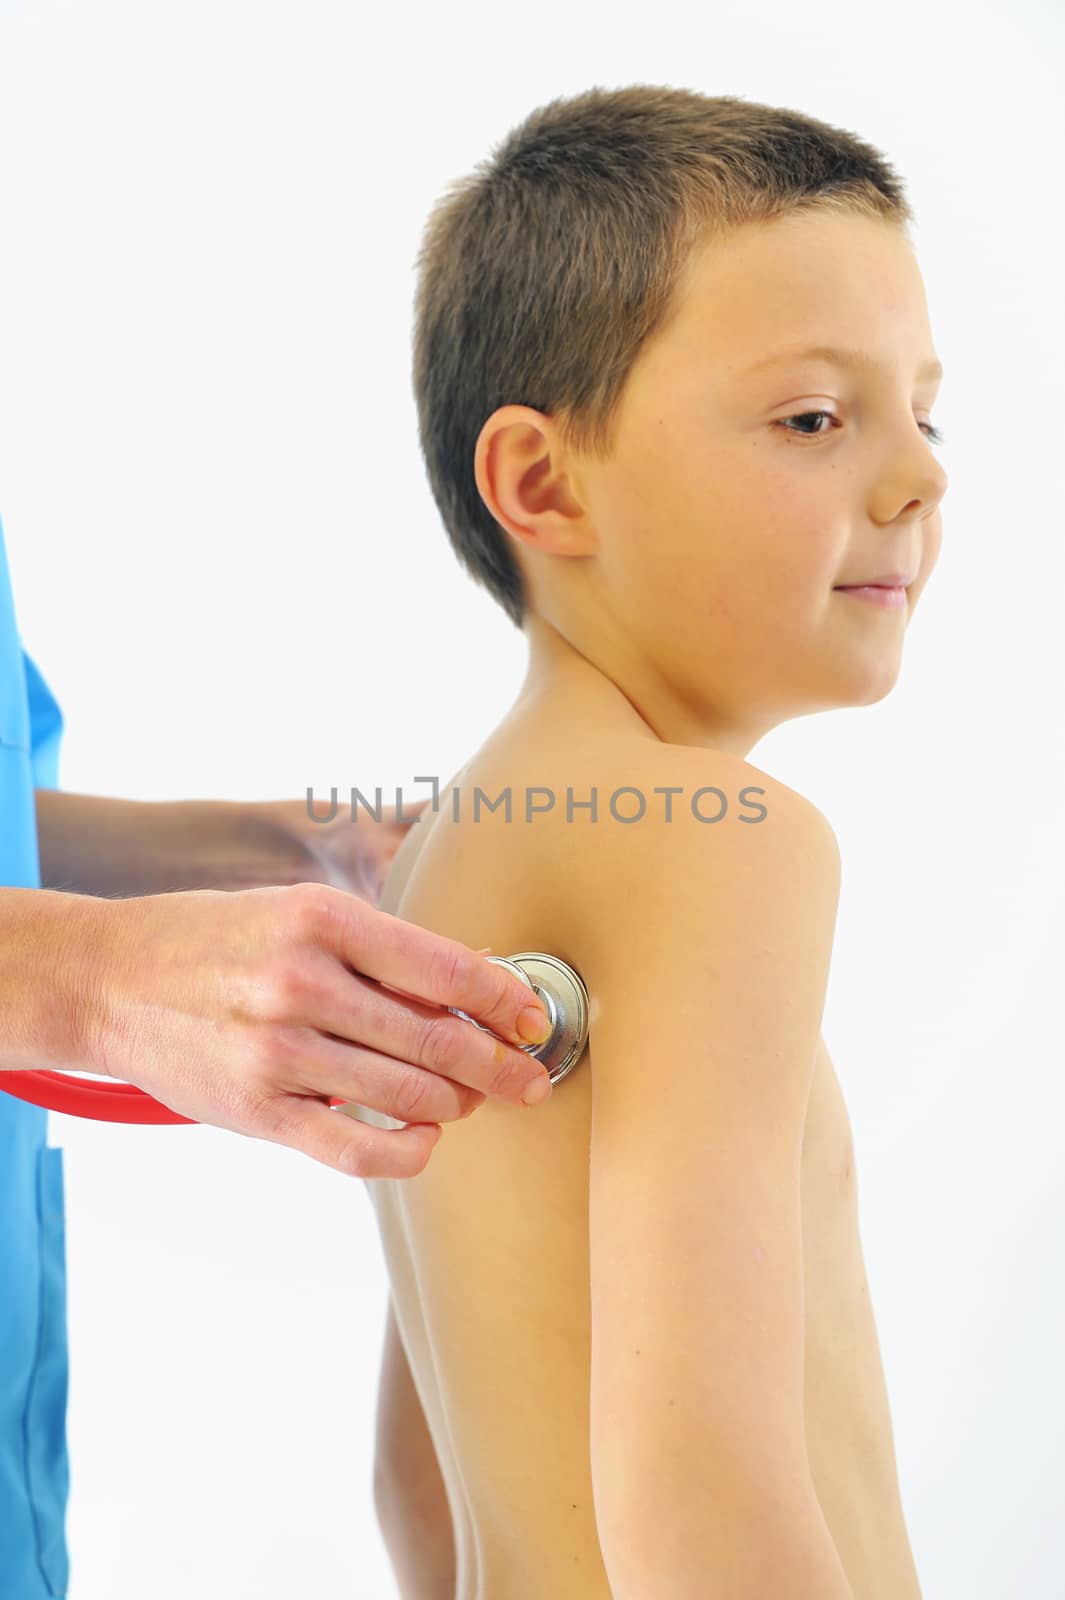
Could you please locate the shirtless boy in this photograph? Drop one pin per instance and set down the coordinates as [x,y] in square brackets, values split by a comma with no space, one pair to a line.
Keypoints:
[630,1350]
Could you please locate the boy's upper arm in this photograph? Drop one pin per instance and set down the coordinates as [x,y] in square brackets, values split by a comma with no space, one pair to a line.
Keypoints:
[708,968]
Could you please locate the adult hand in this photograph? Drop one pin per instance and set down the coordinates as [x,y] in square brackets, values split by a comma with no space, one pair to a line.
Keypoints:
[250,1009]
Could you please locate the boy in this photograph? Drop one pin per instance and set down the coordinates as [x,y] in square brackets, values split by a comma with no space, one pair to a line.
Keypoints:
[674,374]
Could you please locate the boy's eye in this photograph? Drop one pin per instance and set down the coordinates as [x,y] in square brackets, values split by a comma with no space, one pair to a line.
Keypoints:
[932,433]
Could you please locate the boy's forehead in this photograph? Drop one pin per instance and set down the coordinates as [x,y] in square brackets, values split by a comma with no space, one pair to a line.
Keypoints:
[855,358]
[801,248]
[839,288]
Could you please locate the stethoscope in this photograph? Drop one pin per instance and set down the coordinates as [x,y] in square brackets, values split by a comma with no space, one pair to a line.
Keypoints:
[559,987]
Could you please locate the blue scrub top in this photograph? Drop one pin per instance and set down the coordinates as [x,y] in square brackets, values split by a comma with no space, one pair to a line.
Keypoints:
[34,1471]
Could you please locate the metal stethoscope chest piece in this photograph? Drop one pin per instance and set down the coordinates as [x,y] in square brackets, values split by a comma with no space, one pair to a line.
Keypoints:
[565,999]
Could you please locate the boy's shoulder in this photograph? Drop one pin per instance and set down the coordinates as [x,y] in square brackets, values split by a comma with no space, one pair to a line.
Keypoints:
[633,829]
[728,871]
[631,789]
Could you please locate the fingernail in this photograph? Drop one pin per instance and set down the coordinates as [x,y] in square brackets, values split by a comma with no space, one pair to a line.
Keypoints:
[533,1024]
[538,1090]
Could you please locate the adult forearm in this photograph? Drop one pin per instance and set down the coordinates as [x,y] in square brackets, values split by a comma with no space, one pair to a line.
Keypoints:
[40,974]
[95,844]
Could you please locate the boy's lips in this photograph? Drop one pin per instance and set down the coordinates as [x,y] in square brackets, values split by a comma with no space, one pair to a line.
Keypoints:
[890,596]
[887,580]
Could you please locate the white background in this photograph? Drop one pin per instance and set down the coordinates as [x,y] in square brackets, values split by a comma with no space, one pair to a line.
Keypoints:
[229,566]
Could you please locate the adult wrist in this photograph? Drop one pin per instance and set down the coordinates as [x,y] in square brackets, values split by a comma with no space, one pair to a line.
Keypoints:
[46,979]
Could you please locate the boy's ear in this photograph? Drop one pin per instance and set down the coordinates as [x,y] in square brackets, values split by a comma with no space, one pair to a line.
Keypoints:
[528,483]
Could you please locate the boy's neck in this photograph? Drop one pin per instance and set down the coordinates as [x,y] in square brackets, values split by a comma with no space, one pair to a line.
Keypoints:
[611,680]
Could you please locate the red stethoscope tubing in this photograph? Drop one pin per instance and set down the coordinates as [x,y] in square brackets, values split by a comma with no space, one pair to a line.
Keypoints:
[89,1097]
[86,1097]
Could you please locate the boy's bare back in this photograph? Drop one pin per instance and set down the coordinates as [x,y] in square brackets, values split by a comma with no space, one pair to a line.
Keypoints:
[489,1248]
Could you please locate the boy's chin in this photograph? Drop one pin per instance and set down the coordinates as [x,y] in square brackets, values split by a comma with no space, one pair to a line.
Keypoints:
[867,687]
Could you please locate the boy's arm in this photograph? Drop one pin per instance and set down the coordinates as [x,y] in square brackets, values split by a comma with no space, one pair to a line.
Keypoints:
[409,1494]
[708,970]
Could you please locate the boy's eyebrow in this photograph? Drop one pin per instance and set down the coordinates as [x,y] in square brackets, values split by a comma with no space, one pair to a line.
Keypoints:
[841,357]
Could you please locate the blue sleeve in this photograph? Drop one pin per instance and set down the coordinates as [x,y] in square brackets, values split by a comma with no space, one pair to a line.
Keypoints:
[46,726]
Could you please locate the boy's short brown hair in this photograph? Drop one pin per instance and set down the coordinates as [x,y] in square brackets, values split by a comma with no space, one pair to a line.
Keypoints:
[542,274]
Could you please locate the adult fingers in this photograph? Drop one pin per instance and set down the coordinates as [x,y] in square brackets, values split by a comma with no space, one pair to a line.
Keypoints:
[347,1145]
[410,1035]
[435,969]
[306,1061]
